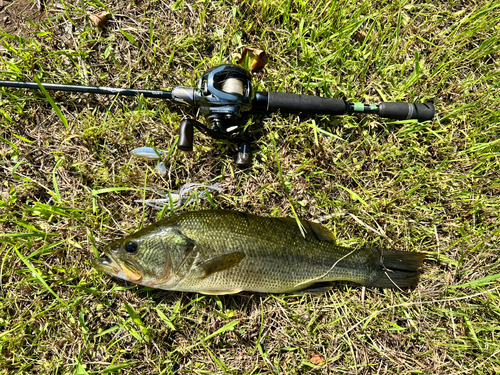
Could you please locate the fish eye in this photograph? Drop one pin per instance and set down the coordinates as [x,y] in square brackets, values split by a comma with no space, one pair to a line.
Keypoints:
[131,247]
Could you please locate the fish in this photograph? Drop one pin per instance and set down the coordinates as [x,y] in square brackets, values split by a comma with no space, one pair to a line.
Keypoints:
[225,252]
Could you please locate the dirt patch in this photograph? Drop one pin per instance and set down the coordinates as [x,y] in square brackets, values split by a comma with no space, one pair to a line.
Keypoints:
[15,15]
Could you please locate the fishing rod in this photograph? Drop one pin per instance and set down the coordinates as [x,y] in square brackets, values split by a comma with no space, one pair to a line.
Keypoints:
[225,93]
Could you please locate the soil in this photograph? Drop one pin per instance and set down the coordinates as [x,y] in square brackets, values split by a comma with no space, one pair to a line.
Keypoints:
[15,15]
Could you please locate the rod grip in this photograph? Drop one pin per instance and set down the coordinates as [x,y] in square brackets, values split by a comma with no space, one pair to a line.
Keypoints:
[406,111]
[296,103]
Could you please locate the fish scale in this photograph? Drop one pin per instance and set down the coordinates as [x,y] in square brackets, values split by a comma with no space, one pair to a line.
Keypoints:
[282,256]
[224,251]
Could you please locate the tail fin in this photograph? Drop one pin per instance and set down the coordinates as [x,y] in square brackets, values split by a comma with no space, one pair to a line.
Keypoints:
[397,269]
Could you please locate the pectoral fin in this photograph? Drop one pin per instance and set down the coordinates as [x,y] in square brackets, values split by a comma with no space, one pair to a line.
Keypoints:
[220,263]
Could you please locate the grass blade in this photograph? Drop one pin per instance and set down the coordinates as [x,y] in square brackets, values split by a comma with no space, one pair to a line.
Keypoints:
[137,320]
[477,283]
[38,277]
[228,327]
[52,103]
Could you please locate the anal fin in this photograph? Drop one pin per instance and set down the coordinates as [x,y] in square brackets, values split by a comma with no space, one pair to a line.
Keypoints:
[215,292]
[317,288]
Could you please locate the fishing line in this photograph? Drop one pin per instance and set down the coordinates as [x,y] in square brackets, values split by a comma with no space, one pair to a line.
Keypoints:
[327,272]
[233,86]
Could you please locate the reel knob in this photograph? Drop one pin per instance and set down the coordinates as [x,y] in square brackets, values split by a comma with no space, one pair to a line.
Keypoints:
[244,156]
[185,142]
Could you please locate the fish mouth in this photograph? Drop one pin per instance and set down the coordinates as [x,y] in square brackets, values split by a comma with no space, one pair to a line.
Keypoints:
[105,264]
[122,270]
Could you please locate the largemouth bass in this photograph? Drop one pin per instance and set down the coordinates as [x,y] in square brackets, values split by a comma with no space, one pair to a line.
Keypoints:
[225,252]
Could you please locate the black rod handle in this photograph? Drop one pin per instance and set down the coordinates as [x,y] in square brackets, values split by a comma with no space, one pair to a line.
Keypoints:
[407,111]
[296,103]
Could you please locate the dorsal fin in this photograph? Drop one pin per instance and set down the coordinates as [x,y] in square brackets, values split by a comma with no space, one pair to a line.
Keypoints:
[318,231]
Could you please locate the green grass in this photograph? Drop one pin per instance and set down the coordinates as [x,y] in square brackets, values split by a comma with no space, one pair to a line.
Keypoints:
[68,184]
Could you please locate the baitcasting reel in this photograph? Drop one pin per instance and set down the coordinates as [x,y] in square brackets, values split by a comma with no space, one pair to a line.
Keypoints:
[223,93]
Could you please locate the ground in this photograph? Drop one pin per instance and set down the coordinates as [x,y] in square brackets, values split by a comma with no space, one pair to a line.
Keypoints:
[69,184]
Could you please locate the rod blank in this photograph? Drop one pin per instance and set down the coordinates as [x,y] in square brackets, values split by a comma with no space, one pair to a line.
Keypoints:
[160,94]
